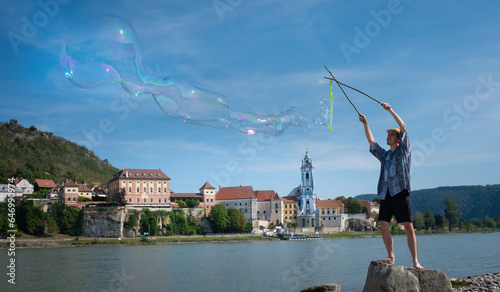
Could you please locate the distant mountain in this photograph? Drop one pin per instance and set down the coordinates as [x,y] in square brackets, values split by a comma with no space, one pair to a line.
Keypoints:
[474,201]
[30,153]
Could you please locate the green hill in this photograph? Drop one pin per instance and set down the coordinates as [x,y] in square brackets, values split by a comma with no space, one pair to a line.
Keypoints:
[474,201]
[30,153]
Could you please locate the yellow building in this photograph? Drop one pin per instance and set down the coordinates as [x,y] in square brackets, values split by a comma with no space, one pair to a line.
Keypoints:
[290,207]
[327,207]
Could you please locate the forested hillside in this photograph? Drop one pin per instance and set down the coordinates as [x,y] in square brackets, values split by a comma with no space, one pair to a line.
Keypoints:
[30,153]
[474,201]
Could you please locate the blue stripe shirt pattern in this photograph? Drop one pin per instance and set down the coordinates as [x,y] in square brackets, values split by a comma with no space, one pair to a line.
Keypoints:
[395,167]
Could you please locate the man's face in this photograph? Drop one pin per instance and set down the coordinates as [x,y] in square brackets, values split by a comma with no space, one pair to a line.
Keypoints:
[392,138]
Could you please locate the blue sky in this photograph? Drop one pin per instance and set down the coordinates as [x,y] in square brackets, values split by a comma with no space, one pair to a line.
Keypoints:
[436,62]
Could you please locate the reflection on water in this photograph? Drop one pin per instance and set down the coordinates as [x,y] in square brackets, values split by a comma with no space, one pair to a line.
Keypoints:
[245,266]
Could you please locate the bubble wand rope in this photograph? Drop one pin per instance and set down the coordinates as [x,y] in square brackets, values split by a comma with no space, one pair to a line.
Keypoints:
[338,83]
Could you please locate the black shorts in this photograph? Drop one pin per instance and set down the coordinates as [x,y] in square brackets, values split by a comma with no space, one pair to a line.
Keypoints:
[399,206]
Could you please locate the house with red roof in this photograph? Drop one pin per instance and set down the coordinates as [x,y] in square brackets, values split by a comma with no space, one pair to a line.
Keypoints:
[69,193]
[24,185]
[143,187]
[45,184]
[84,191]
[259,207]
[370,206]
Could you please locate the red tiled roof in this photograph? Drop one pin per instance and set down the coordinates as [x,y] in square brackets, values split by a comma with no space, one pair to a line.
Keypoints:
[266,195]
[229,193]
[83,188]
[207,186]
[135,173]
[289,199]
[45,183]
[70,183]
[329,203]
[365,203]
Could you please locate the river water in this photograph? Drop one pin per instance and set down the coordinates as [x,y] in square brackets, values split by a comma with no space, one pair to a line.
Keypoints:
[243,266]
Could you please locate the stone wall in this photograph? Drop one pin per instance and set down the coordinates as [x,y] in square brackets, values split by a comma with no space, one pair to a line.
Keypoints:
[103,222]
[109,221]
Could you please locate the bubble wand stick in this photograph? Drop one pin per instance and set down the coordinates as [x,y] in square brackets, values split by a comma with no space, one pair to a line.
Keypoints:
[338,83]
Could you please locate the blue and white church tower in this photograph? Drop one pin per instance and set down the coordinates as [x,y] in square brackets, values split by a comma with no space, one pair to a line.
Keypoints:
[307,215]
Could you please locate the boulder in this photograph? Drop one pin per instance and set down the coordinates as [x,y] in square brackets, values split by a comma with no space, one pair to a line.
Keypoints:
[323,288]
[387,278]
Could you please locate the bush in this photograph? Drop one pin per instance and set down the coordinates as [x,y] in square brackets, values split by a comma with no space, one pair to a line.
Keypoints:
[181,204]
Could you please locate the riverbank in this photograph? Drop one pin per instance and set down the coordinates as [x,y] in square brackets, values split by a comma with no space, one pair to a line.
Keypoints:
[62,240]
[66,241]
[488,282]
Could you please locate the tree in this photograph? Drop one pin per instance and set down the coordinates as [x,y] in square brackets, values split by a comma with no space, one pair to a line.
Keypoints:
[219,218]
[25,172]
[192,203]
[149,222]
[490,223]
[429,219]
[419,220]
[118,196]
[439,221]
[354,206]
[31,218]
[181,204]
[342,199]
[50,225]
[237,221]
[451,211]
[69,220]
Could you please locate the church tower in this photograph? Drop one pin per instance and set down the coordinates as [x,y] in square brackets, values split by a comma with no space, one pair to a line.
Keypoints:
[307,215]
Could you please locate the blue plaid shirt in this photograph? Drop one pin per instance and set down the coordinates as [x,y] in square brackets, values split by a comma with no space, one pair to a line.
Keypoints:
[395,167]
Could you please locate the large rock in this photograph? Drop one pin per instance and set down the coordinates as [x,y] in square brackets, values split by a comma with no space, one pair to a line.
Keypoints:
[323,288]
[387,278]
[103,222]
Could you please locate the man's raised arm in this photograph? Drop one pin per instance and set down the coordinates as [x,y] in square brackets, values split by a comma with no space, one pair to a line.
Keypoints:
[402,126]
[368,132]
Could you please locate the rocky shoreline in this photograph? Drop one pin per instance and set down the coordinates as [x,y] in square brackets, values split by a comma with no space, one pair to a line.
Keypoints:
[489,283]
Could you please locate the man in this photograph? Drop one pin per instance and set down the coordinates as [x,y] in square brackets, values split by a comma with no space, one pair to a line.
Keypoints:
[394,184]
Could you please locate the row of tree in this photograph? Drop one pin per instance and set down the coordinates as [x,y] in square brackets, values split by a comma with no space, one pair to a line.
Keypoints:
[228,221]
[452,219]
[33,220]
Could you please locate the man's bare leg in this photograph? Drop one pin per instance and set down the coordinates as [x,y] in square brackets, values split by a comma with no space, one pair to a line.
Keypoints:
[387,237]
[412,244]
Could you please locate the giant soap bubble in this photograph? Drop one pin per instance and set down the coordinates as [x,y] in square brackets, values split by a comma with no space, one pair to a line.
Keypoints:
[104,49]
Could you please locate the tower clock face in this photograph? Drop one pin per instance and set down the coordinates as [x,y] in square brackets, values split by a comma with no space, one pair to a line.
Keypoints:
[307,168]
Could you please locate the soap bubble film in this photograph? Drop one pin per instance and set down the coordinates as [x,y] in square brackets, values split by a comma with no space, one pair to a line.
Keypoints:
[104,50]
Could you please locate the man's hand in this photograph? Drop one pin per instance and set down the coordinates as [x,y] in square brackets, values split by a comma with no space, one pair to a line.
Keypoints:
[362,119]
[386,106]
